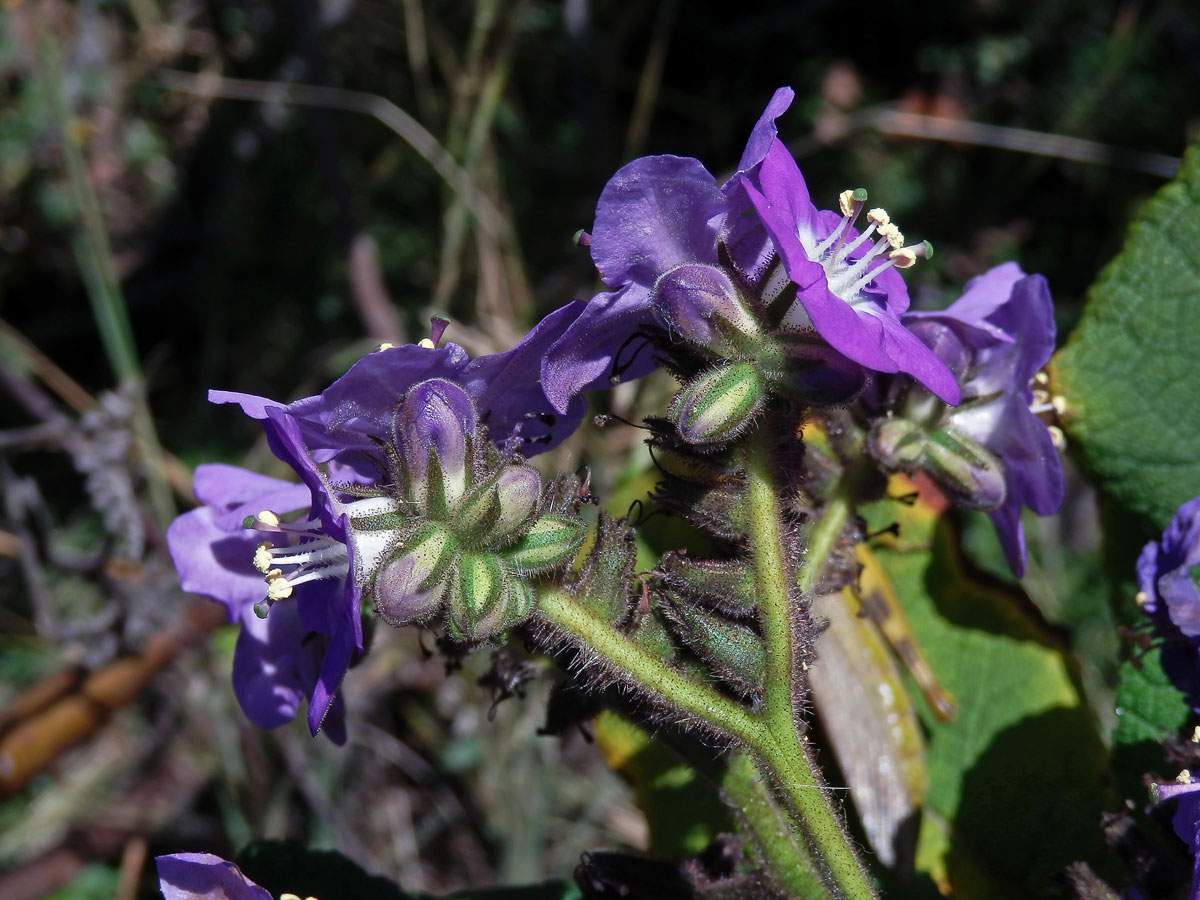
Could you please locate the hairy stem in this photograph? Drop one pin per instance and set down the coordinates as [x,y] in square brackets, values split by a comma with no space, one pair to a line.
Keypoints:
[785,754]
[775,838]
[653,675]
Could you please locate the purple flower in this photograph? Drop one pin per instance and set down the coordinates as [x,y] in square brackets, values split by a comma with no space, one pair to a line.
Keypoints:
[1186,821]
[847,288]
[991,452]
[667,238]
[319,543]
[655,214]
[1168,572]
[203,876]
[296,652]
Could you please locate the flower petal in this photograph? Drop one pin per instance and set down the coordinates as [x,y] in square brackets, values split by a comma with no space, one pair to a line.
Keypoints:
[657,212]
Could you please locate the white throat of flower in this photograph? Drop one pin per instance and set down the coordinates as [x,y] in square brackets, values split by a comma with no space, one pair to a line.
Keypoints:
[846,277]
[319,556]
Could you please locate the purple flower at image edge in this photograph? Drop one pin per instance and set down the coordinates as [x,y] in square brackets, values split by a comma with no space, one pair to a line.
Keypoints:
[1168,574]
[995,338]
[203,876]
[1186,821]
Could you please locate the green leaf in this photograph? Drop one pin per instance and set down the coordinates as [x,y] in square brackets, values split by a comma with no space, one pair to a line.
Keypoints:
[1018,780]
[1149,707]
[682,811]
[1129,371]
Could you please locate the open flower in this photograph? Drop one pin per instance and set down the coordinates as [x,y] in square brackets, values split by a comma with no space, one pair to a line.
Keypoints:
[847,286]
[992,452]
[1168,573]
[676,250]
[318,544]
[1186,821]
[203,876]
[655,214]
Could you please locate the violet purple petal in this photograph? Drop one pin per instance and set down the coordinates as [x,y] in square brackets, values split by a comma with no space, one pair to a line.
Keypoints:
[203,876]
[654,214]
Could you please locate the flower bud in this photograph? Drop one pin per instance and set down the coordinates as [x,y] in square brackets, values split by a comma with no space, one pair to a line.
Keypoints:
[719,404]
[734,652]
[552,541]
[897,443]
[519,489]
[969,473]
[434,422]
[701,303]
[476,589]
[411,584]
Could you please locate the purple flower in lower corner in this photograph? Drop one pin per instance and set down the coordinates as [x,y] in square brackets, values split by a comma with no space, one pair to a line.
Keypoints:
[1186,821]
[1168,573]
[992,452]
[203,876]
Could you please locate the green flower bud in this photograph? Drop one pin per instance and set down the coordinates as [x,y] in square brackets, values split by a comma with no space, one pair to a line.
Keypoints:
[719,404]
[972,475]
[733,652]
[552,540]
[476,589]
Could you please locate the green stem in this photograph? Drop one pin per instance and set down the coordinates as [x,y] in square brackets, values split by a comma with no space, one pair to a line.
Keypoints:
[652,674]
[784,754]
[776,840]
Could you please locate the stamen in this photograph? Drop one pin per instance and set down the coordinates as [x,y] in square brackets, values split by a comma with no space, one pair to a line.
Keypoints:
[1057,438]
[1141,598]
[268,518]
[386,345]
[851,203]
[262,557]
[427,344]
[1184,777]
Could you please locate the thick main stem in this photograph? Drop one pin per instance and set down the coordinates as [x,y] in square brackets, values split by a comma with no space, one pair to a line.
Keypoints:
[784,754]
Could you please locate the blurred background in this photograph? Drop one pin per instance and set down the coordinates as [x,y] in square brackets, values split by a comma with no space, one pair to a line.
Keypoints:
[251,195]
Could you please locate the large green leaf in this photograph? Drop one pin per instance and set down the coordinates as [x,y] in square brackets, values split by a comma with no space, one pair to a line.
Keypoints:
[1018,780]
[1130,370]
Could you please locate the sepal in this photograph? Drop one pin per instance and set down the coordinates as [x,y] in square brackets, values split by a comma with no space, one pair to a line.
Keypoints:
[411,585]
[732,651]
[718,405]
[551,541]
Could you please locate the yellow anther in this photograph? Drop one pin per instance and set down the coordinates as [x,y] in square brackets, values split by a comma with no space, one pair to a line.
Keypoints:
[1057,438]
[1059,402]
[268,518]
[1196,735]
[878,216]
[386,345]
[894,238]
[1040,396]
[1184,777]
[1042,377]
[426,343]
[262,557]
[905,257]
[294,897]
[1140,599]
[846,203]
[278,587]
